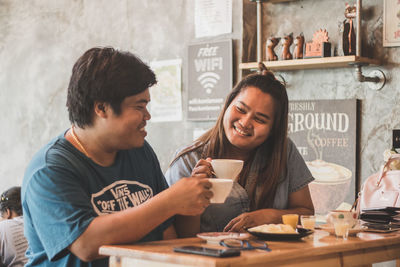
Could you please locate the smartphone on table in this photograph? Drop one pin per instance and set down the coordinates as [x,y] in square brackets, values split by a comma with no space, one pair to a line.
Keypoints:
[221,253]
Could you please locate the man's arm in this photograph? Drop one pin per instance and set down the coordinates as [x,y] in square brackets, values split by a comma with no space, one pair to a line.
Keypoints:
[188,197]
[187,226]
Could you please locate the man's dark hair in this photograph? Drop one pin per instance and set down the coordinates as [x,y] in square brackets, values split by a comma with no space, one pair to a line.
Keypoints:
[105,75]
[11,199]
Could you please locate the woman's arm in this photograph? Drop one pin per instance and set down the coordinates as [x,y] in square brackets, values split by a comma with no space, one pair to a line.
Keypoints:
[299,203]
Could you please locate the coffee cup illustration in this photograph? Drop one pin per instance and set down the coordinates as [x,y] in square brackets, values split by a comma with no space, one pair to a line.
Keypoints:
[331,185]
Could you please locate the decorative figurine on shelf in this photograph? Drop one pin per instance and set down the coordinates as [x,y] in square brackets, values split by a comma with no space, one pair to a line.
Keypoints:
[271,43]
[319,47]
[287,41]
[349,37]
[298,48]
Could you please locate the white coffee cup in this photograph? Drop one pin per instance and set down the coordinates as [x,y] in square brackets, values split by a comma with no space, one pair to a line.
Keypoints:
[221,189]
[227,168]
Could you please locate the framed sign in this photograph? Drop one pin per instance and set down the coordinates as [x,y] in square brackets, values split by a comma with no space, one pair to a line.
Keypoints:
[209,78]
[166,99]
[391,23]
[325,133]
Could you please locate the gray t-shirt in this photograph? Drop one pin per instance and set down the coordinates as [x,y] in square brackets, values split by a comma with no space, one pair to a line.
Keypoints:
[13,243]
[217,216]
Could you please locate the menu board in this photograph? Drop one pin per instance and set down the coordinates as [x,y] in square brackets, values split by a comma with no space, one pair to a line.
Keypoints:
[209,78]
[325,133]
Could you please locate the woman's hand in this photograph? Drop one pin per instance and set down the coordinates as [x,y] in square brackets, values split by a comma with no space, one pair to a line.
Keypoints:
[203,169]
[251,219]
[299,203]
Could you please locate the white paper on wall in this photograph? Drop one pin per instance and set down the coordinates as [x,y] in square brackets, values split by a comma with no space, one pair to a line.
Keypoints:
[212,17]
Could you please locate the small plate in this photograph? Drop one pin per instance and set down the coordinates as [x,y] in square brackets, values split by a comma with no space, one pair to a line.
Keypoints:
[382,231]
[215,237]
[301,232]
[330,229]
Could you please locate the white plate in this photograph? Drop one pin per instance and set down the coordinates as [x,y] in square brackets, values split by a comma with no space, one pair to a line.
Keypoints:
[330,229]
[215,237]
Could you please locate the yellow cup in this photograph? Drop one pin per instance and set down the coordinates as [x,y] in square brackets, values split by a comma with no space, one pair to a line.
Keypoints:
[307,221]
[341,229]
[290,219]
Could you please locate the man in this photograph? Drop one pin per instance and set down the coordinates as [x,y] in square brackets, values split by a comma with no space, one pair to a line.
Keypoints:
[102,166]
[13,243]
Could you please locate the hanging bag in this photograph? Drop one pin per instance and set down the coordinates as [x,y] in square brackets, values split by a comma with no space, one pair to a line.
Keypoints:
[381,189]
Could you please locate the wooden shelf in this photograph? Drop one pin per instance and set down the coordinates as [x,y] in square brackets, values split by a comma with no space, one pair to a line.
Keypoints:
[312,63]
[273,1]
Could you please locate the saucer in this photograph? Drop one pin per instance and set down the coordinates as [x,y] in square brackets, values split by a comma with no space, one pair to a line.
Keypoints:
[330,229]
[215,237]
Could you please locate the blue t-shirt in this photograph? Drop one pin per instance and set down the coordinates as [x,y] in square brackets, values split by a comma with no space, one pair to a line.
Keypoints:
[63,191]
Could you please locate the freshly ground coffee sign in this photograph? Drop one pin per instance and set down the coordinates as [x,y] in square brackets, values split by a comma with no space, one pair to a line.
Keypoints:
[324,132]
[209,78]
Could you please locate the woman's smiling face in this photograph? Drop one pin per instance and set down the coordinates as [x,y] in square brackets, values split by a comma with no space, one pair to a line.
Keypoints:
[249,118]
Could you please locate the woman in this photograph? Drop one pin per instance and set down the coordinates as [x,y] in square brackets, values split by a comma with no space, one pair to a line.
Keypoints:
[13,243]
[274,181]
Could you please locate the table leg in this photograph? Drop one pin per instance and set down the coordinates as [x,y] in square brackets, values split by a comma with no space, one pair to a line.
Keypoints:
[114,261]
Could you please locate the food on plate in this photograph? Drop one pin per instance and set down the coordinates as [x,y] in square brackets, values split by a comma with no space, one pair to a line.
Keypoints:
[274,229]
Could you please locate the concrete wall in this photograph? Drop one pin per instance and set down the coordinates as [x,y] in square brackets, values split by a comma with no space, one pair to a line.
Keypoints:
[39,42]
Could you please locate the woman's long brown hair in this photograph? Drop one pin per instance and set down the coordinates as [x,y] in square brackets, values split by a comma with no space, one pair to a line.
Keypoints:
[274,147]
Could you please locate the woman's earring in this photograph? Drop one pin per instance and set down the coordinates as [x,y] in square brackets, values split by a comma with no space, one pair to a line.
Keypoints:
[101,107]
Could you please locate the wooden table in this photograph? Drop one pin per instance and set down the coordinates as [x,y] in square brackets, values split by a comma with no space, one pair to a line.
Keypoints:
[321,249]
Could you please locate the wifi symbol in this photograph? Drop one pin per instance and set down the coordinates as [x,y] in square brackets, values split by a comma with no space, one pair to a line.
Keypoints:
[208,80]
